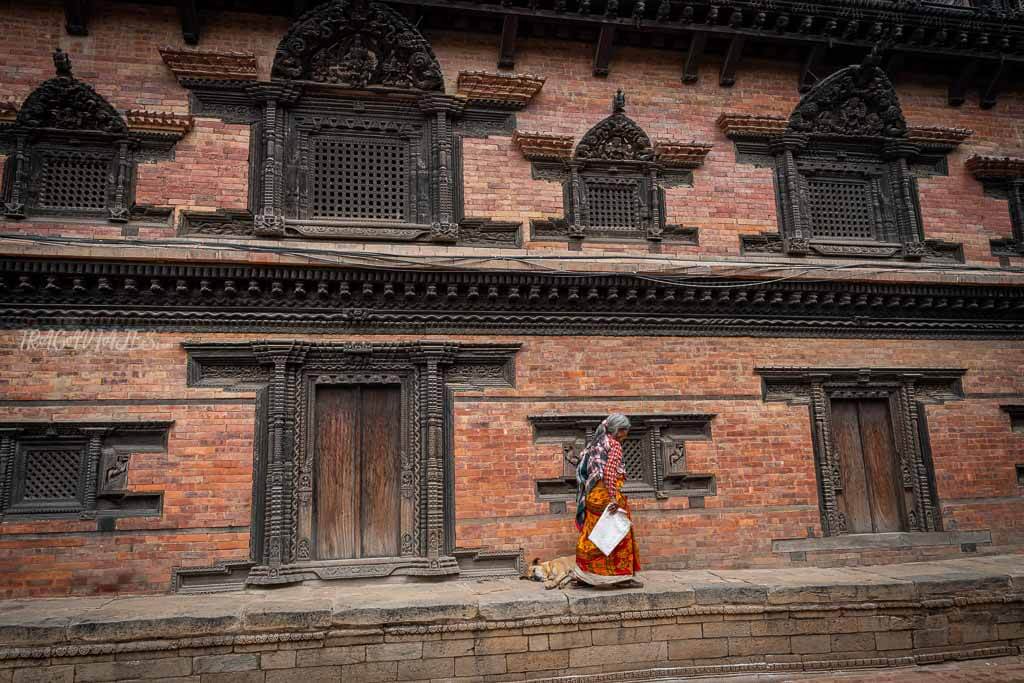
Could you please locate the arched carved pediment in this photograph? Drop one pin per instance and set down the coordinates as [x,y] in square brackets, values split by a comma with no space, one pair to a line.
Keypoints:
[357,44]
[66,103]
[617,138]
[857,101]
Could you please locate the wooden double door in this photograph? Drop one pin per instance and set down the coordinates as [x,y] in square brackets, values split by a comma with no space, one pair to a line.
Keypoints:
[872,495]
[357,511]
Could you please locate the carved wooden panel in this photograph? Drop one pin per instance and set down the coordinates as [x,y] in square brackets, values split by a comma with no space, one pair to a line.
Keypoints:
[841,209]
[74,181]
[75,468]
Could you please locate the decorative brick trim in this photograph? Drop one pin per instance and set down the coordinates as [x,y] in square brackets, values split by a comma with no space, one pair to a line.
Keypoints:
[751,125]
[158,122]
[544,147]
[681,154]
[505,91]
[239,66]
[995,167]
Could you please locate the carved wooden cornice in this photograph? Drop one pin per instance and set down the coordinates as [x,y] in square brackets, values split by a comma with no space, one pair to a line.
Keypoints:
[504,91]
[751,125]
[111,293]
[235,66]
[996,168]
[938,136]
[158,122]
[681,154]
[754,126]
[543,146]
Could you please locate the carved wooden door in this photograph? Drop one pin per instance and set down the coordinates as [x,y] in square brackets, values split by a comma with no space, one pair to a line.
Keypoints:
[358,471]
[872,492]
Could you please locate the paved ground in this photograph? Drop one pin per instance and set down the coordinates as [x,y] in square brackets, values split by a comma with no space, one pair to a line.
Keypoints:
[985,671]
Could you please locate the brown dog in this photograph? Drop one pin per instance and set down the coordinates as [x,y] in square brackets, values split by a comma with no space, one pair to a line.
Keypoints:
[554,573]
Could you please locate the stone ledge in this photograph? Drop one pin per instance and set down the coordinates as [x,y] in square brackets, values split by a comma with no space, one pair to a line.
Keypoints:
[893,541]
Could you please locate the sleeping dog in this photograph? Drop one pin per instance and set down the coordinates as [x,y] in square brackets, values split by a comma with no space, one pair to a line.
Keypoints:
[554,573]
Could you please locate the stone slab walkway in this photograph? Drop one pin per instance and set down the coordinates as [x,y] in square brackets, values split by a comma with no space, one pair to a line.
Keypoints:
[352,604]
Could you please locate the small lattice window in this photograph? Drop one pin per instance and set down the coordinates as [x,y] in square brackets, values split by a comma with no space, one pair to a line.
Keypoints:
[52,474]
[613,206]
[636,461]
[360,178]
[70,180]
[841,209]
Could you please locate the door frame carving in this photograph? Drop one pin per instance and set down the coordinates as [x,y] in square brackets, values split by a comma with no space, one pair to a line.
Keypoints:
[906,391]
[284,374]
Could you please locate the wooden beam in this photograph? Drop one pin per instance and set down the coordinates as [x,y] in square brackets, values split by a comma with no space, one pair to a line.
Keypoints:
[603,51]
[188,11]
[507,42]
[813,68]
[989,90]
[727,77]
[958,87]
[76,17]
[694,55]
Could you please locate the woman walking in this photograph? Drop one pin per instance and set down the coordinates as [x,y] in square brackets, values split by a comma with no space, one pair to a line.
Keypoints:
[599,479]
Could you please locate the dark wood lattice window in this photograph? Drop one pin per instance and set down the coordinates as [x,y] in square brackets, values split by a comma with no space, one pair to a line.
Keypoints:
[76,469]
[49,476]
[613,205]
[357,177]
[653,455]
[841,209]
[72,181]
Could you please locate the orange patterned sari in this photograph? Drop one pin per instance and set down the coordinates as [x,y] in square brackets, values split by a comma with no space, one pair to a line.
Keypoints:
[625,559]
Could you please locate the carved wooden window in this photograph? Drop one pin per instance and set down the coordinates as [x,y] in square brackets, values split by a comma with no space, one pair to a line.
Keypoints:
[653,455]
[1003,178]
[845,171]
[871,446]
[613,184]
[842,209]
[74,468]
[355,177]
[69,152]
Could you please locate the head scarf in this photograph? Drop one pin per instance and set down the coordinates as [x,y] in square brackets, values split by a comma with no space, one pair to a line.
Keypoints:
[590,468]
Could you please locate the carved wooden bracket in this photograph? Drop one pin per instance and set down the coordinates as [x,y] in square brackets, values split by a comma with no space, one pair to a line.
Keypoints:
[236,66]
[906,390]
[543,146]
[1003,177]
[503,91]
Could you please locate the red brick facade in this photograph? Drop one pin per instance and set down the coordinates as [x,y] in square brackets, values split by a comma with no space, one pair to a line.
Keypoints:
[761,453]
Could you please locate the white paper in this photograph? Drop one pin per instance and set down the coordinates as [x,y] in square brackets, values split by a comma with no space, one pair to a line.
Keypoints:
[610,530]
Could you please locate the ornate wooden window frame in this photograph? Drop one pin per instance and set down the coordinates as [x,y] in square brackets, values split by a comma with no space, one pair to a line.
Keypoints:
[615,152]
[664,437]
[1003,178]
[848,125]
[66,117]
[906,390]
[361,69]
[285,375]
[105,450]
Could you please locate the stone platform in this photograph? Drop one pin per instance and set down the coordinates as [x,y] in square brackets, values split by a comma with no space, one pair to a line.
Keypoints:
[679,625]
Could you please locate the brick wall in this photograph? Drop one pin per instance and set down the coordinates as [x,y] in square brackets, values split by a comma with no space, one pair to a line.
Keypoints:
[727,199]
[760,453]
